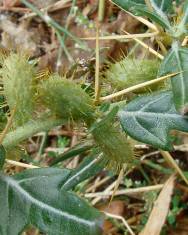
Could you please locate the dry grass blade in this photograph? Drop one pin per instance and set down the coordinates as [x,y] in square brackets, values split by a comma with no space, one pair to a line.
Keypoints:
[130,191]
[97,81]
[136,87]
[120,177]
[122,219]
[160,210]
[172,163]
[185,40]
[141,19]
[121,37]
[20,164]
[151,50]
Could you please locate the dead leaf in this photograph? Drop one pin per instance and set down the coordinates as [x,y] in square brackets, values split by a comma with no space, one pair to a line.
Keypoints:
[160,210]
[117,208]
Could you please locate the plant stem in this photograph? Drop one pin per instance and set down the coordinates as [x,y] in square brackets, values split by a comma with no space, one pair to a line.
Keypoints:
[122,219]
[62,39]
[97,65]
[8,125]
[101,10]
[29,129]
[157,167]
[43,144]
[63,46]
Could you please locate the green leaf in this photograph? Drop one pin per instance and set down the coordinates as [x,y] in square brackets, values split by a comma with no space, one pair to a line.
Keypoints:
[74,151]
[182,27]
[139,8]
[88,168]
[149,119]
[34,197]
[163,5]
[177,61]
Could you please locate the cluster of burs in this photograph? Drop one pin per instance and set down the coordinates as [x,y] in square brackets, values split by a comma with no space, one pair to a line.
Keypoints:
[50,100]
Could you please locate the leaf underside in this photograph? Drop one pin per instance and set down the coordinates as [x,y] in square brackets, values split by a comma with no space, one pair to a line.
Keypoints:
[150,118]
[35,197]
[177,61]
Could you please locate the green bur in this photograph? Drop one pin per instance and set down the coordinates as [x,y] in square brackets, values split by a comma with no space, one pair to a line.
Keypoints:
[130,72]
[117,150]
[65,99]
[18,85]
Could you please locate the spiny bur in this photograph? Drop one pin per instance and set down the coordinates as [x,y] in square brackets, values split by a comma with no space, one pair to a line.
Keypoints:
[18,83]
[65,99]
[129,72]
[116,148]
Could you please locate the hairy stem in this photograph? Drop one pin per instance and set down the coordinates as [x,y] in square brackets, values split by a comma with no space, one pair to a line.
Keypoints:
[29,129]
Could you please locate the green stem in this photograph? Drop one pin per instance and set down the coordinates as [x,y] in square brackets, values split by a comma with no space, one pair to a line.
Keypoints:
[43,144]
[62,39]
[62,43]
[29,129]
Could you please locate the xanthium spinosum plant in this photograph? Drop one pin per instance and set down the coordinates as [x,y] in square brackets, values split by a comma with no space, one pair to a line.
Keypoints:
[45,197]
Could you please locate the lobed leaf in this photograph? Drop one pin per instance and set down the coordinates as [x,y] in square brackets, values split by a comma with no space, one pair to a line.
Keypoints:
[182,26]
[177,61]
[149,119]
[34,197]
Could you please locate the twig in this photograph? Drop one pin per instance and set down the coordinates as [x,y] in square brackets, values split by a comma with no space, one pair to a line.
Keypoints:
[167,156]
[108,189]
[147,47]
[95,186]
[122,219]
[24,165]
[125,191]
[142,20]
[136,87]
